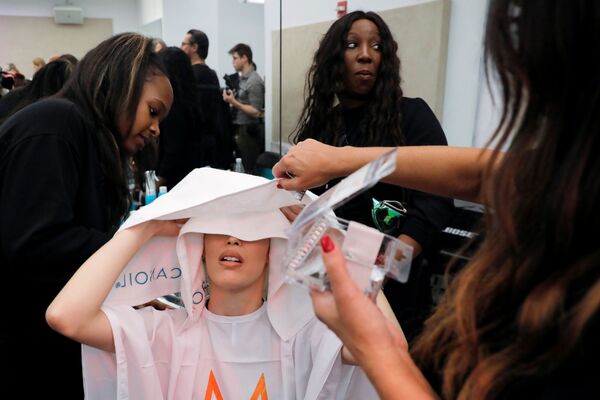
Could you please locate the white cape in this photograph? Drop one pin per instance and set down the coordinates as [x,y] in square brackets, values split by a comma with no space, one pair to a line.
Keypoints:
[157,353]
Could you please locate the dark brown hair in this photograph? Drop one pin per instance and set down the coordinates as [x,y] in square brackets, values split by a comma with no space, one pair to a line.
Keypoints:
[242,50]
[524,304]
[199,38]
[107,83]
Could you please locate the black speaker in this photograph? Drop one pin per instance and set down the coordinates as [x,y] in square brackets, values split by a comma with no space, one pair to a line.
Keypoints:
[457,243]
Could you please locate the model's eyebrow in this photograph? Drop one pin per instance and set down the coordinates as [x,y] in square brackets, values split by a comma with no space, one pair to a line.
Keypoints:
[162,103]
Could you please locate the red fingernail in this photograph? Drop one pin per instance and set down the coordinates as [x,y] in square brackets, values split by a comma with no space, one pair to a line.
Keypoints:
[279,186]
[327,244]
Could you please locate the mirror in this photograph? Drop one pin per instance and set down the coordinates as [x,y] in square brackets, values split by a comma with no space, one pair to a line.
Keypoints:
[440,47]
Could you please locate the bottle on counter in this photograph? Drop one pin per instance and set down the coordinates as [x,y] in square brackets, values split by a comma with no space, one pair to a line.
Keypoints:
[238,166]
[150,186]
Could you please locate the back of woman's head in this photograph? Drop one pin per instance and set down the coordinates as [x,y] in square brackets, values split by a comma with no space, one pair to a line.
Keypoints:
[523,307]
[551,121]
[325,81]
[47,81]
[107,85]
[69,58]
[179,72]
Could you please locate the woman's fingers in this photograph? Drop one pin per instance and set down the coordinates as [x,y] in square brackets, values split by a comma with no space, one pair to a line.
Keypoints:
[305,166]
[343,287]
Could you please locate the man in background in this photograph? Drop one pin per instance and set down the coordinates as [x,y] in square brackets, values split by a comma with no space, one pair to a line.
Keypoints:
[249,102]
[214,109]
[195,45]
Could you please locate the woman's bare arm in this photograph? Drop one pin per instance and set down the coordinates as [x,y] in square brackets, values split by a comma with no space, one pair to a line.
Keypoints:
[454,172]
[76,311]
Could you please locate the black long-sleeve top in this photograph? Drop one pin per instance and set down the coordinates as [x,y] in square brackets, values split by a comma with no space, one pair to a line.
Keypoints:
[427,213]
[185,143]
[52,218]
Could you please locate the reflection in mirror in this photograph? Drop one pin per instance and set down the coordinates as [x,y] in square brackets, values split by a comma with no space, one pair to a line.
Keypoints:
[423,67]
[227,24]
[442,67]
[34,32]
[440,48]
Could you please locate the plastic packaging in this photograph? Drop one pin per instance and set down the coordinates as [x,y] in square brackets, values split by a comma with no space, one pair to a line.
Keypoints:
[370,254]
[150,186]
[162,190]
[238,166]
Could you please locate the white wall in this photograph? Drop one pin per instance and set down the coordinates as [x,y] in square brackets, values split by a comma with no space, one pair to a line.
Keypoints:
[464,70]
[149,11]
[296,13]
[122,12]
[241,23]
[225,22]
[463,89]
[179,16]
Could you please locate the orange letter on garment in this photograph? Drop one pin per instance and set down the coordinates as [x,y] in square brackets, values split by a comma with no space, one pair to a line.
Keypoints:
[260,390]
[213,387]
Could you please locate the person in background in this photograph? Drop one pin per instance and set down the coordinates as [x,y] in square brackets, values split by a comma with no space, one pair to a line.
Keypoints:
[19,78]
[46,82]
[195,45]
[6,82]
[67,57]
[186,142]
[12,68]
[357,64]
[63,192]
[249,104]
[158,44]
[38,63]
[522,319]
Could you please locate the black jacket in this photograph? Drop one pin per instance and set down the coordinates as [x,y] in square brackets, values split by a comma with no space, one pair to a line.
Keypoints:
[52,219]
[217,116]
[185,143]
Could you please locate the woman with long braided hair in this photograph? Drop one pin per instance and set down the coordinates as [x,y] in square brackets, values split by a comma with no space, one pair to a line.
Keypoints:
[63,193]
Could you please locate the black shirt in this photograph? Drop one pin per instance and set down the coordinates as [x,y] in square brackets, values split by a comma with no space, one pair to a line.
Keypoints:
[209,91]
[427,214]
[217,115]
[204,75]
[52,218]
[185,143]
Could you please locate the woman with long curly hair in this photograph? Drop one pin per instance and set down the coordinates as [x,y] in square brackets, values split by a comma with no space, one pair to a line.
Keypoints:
[522,319]
[357,64]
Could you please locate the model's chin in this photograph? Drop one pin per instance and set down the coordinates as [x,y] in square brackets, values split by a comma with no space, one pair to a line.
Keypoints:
[131,150]
[363,88]
[133,146]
